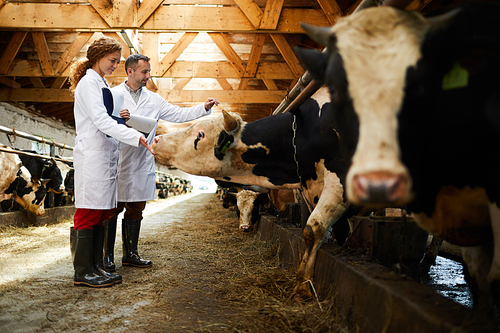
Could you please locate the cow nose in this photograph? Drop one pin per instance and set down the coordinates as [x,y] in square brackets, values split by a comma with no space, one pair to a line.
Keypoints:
[381,188]
[246,228]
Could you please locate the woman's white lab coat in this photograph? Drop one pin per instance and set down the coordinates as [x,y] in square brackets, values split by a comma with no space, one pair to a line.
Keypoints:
[136,166]
[95,155]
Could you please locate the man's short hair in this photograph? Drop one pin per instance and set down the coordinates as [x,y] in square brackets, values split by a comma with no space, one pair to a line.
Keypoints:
[133,60]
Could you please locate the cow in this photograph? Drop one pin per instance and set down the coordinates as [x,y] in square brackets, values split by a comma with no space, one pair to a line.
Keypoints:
[44,168]
[249,201]
[417,107]
[16,182]
[296,150]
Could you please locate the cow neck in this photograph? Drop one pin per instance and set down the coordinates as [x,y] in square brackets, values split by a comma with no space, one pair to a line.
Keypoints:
[294,128]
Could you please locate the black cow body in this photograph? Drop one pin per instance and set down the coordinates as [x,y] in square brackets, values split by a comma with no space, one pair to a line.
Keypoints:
[439,104]
[291,151]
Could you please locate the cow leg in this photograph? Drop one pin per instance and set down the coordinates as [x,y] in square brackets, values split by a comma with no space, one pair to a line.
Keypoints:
[329,209]
[494,273]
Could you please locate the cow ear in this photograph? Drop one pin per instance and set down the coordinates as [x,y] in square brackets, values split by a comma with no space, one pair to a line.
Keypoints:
[314,61]
[44,181]
[230,123]
[320,35]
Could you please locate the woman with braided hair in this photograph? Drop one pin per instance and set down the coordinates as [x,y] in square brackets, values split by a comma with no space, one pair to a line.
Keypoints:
[95,158]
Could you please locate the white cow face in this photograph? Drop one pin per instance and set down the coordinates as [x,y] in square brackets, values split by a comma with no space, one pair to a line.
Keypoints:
[245,201]
[366,67]
[192,150]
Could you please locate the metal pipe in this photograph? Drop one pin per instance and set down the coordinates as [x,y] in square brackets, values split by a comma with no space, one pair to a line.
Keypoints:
[24,135]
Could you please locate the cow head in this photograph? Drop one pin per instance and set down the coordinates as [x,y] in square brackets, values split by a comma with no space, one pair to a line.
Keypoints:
[30,192]
[372,60]
[246,200]
[202,148]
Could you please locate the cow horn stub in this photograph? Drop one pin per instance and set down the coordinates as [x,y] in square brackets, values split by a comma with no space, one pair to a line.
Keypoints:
[230,123]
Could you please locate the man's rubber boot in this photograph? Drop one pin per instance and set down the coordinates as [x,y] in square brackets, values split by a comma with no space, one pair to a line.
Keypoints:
[98,254]
[130,235]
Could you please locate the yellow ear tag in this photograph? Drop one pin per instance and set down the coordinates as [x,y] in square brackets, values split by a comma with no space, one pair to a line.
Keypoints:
[457,77]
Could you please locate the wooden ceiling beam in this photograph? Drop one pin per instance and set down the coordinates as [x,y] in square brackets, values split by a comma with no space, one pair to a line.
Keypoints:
[176,51]
[253,60]
[229,52]
[251,10]
[59,82]
[124,13]
[42,49]
[105,9]
[11,50]
[146,9]
[165,18]
[151,48]
[67,57]
[37,82]
[287,53]
[270,84]
[272,14]
[174,96]
[331,9]
[225,84]
[220,69]
[181,83]
[8,82]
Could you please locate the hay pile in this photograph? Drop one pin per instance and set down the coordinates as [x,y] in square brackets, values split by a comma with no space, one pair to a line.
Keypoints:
[207,277]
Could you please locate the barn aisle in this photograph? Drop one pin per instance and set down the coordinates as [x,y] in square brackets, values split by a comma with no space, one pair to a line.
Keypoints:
[206,277]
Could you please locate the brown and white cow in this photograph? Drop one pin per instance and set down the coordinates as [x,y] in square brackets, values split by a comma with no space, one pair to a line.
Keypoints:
[16,182]
[417,106]
[292,150]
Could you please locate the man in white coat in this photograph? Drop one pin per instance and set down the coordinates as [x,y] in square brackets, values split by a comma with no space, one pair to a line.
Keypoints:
[136,166]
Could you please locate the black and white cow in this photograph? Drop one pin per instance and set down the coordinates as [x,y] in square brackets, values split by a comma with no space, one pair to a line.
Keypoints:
[16,182]
[417,106]
[289,150]
[47,169]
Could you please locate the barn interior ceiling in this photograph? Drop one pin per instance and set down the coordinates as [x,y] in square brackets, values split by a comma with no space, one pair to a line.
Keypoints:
[238,51]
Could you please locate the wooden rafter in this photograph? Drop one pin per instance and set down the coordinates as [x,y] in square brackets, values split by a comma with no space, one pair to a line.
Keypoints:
[99,17]
[271,15]
[278,70]
[37,82]
[253,60]
[176,51]
[251,10]
[331,9]
[8,82]
[65,59]
[287,53]
[124,13]
[11,51]
[58,82]
[229,52]
[270,84]
[42,49]
[146,9]
[105,9]
[225,84]
[151,47]
[181,83]
[173,96]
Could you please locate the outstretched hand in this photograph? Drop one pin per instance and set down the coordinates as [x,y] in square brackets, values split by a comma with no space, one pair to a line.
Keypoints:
[210,102]
[144,142]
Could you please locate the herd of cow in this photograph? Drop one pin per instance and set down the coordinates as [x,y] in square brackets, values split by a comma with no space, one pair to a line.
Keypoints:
[27,178]
[167,184]
[408,116]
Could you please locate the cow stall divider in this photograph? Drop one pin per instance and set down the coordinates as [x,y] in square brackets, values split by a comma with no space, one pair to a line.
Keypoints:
[10,213]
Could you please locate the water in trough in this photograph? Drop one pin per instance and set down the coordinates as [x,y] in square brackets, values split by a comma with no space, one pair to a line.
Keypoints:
[446,277]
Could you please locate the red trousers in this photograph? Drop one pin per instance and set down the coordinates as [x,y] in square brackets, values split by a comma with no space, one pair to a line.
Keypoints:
[87,218]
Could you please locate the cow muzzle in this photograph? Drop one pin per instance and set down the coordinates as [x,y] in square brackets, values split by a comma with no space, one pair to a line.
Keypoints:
[380,189]
[246,228]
